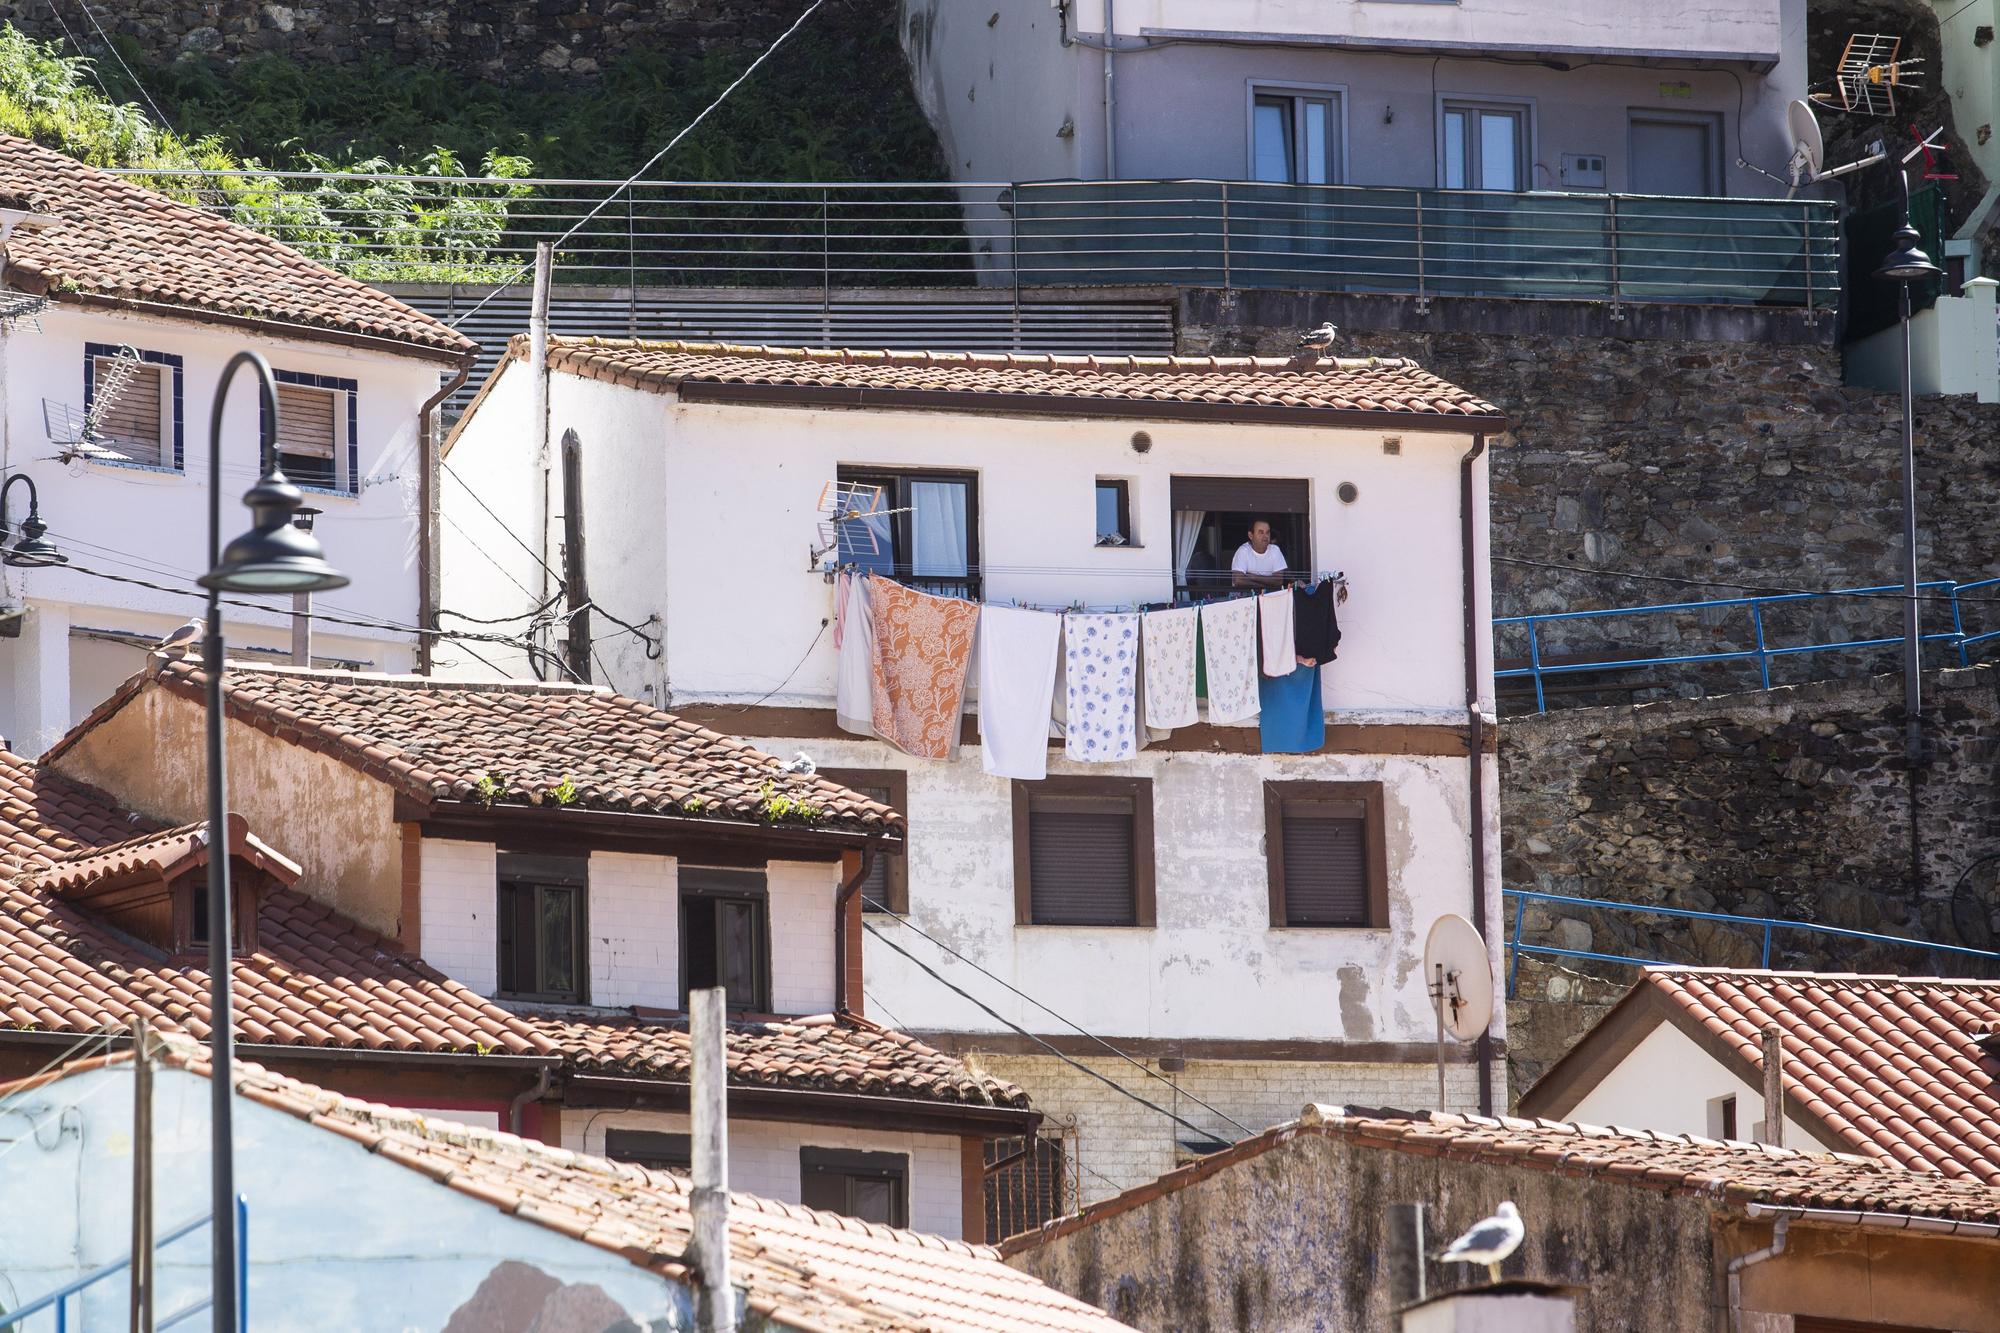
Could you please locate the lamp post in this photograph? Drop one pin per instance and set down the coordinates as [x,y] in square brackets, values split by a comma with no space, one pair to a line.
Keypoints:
[273,557]
[1905,265]
[29,550]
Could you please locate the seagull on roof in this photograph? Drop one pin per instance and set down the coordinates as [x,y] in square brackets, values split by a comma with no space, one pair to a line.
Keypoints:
[1318,340]
[801,763]
[1489,1242]
[182,640]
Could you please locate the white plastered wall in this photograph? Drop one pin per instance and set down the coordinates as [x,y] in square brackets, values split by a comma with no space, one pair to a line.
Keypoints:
[1667,1084]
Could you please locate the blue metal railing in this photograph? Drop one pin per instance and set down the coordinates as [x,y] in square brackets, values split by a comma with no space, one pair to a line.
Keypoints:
[1766,924]
[58,1300]
[1955,640]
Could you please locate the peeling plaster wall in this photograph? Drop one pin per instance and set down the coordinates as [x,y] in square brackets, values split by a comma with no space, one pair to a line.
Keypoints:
[764,1157]
[338,824]
[1293,1239]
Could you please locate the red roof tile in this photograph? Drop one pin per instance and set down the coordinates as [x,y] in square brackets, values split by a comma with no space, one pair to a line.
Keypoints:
[1264,388]
[120,245]
[798,1268]
[442,739]
[1731,1174]
[818,1055]
[1890,1066]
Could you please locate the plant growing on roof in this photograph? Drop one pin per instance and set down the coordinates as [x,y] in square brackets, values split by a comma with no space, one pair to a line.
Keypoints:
[564,792]
[779,806]
[490,788]
[694,805]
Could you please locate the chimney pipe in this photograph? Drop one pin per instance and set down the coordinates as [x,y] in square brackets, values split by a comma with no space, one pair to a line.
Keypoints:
[708,1091]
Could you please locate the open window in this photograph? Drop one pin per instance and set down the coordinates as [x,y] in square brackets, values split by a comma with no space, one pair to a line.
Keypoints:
[1212,517]
[871,1186]
[317,430]
[933,543]
[726,936]
[1323,845]
[542,939]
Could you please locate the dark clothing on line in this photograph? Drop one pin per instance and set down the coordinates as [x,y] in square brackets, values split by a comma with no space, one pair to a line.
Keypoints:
[1315,626]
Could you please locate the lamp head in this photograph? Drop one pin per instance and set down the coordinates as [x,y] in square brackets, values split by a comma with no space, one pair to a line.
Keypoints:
[276,555]
[1907,262]
[31,550]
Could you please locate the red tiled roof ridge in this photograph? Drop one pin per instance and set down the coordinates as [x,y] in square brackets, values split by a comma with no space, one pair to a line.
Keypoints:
[1824,980]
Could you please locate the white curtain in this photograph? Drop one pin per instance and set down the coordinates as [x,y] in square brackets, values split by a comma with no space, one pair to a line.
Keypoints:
[1187,532]
[937,529]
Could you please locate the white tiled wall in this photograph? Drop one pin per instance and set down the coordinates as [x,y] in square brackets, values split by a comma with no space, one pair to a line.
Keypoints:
[634,930]
[764,1158]
[802,895]
[460,910]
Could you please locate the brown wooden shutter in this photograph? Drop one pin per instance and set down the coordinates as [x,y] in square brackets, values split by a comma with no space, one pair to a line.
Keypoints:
[1263,495]
[130,422]
[305,421]
[1326,863]
[1081,862]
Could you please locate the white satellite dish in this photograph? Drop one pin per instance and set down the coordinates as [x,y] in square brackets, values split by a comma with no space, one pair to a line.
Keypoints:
[1808,145]
[1460,980]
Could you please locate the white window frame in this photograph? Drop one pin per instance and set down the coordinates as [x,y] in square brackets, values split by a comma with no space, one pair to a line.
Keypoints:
[1333,92]
[1712,121]
[340,479]
[1524,106]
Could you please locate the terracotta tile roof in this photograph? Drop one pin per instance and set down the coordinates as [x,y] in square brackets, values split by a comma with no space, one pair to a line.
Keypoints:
[798,1268]
[1260,388]
[161,855]
[1732,1175]
[45,816]
[437,739]
[121,245]
[1890,1066]
[820,1055]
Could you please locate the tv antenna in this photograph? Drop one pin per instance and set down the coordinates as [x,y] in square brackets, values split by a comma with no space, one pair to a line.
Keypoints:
[1808,161]
[77,434]
[848,510]
[1869,73]
[1459,977]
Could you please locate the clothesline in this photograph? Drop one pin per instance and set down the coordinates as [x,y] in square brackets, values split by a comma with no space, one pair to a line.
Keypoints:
[1334,576]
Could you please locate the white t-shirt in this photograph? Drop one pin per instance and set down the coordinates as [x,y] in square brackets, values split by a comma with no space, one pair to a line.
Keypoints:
[1248,561]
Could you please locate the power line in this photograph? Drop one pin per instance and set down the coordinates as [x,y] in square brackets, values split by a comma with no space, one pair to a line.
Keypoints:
[907,924]
[651,162]
[110,46]
[499,521]
[994,1014]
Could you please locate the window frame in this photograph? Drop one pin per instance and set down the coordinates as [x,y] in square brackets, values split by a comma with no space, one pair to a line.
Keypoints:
[852,1164]
[1522,108]
[896,879]
[570,874]
[1256,90]
[1369,795]
[1123,487]
[676,1144]
[895,482]
[1288,501]
[761,956]
[347,461]
[1711,121]
[1140,792]
[174,416]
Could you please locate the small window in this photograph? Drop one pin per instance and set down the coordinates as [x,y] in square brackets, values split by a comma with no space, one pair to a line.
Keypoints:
[191,904]
[1484,146]
[1324,851]
[542,951]
[1114,512]
[1295,137]
[887,888]
[1083,852]
[136,403]
[306,435]
[650,1148]
[1722,1117]
[725,936]
[927,535]
[873,1186]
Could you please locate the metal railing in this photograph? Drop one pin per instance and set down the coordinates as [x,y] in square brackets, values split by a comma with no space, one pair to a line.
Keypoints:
[1762,925]
[57,1301]
[1756,634]
[1213,233]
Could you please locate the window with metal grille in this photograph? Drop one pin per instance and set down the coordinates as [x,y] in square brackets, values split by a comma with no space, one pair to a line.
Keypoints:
[308,434]
[1083,852]
[650,1148]
[873,1186]
[726,936]
[1030,1180]
[1324,849]
[542,952]
[887,888]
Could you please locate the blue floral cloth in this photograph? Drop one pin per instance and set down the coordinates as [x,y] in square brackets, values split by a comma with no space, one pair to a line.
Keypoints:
[1101,668]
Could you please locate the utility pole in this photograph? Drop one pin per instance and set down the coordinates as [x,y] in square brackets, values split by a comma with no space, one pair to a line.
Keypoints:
[575,583]
[142,1178]
[708,1090]
[1774,1087]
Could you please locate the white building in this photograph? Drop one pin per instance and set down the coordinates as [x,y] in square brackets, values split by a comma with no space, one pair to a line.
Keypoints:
[702,468]
[147,300]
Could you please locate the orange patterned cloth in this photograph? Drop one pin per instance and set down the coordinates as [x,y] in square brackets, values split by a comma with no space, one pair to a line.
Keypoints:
[923,648]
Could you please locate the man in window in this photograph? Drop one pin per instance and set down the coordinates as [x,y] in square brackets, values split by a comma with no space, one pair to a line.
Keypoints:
[1258,563]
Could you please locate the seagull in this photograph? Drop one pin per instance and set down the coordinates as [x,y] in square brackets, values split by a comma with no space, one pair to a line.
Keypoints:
[1489,1242]
[182,640]
[801,763]
[1319,339]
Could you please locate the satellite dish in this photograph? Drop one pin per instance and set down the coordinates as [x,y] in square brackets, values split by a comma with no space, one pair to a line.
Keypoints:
[1460,977]
[1808,146]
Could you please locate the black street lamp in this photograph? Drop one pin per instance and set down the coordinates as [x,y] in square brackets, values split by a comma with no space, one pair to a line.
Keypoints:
[30,551]
[273,557]
[1905,265]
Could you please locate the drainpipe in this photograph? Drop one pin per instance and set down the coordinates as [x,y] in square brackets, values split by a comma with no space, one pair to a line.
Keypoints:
[430,575]
[517,1109]
[1110,95]
[1475,728]
[1743,1261]
[869,850]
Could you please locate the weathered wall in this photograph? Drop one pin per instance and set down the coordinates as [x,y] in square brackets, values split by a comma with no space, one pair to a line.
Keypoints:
[1293,1239]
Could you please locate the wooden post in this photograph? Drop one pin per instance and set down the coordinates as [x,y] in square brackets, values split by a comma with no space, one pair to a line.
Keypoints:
[142,1178]
[1774,1088]
[708,1091]
[1405,1254]
[575,580]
